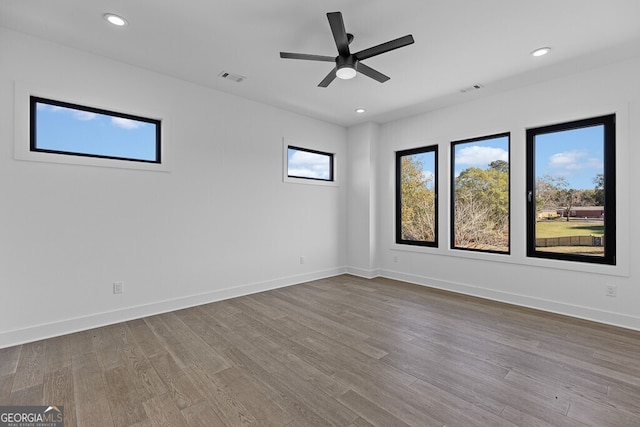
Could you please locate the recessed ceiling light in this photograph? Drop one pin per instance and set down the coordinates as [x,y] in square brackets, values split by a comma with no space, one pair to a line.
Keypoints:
[360,110]
[115,19]
[541,51]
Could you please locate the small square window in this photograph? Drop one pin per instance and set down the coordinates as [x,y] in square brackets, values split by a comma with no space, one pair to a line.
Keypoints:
[309,164]
[70,129]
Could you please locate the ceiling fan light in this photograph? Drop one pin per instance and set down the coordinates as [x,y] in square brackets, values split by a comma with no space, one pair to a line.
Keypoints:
[346,73]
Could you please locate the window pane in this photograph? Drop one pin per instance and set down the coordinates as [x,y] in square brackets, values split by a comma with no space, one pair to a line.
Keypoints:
[309,164]
[480,194]
[571,191]
[63,128]
[416,196]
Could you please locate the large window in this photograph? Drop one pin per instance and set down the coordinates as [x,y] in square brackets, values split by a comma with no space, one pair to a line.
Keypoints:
[69,129]
[417,196]
[309,164]
[480,194]
[571,191]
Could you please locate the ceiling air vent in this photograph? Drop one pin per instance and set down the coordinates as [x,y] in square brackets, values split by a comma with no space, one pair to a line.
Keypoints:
[471,88]
[233,77]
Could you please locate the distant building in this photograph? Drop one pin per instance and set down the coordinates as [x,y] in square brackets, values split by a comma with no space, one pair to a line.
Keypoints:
[548,214]
[583,212]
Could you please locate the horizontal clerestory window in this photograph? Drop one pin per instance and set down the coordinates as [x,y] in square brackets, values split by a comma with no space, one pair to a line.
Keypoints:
[62,128]
[310,164]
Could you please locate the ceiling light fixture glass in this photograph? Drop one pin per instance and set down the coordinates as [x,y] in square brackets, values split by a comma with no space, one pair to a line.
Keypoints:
[346,73]
[541,51]
[360,110]
[115,19]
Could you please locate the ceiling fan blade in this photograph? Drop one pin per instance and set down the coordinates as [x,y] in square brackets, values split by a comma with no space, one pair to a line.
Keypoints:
[289,55]
[384,47]
[330,77]
[370,72]
[339,33]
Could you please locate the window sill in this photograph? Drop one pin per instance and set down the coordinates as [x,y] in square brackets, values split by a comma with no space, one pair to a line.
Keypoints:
[607,270]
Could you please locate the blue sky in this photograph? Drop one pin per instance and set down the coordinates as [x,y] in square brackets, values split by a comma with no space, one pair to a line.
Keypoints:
[576,155]
[72,130]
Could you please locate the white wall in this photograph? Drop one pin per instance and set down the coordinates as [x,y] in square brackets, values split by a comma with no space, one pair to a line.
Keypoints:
[361,205]
[220,223]
[569,288]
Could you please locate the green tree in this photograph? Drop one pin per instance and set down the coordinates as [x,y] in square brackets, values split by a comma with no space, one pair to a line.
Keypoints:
[481,207]
[555,193]
[598,181]
[417,202]
[584,197]
[500,166]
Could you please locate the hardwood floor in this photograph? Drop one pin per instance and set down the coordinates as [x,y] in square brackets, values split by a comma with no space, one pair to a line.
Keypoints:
[342,351]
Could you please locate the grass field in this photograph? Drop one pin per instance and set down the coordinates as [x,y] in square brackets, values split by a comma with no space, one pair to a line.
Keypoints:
[561,227]
[581,250]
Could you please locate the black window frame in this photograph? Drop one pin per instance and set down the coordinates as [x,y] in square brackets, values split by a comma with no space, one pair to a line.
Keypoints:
[453,193]
[398,228]
[309,150]
[609,149]
[33,115]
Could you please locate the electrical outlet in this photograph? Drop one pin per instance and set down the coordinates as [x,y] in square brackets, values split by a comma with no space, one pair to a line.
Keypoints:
[395,258]
[301,260]
[118,287]
[611,290]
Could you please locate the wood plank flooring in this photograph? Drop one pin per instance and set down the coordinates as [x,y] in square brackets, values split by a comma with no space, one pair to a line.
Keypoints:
[343,351]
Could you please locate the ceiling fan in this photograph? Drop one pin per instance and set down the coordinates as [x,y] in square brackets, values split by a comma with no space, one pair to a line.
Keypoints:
[347,63]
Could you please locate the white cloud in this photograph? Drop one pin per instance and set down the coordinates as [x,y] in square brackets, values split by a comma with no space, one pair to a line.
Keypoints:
[310,165]
[308,173]
[76,114]
[126,123]
[84,115]
[427,176]
[480,156]
[573,160]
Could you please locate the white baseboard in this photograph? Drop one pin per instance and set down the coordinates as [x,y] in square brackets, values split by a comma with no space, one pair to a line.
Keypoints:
[361,272]
[586,313]
[43,331]
[63,327]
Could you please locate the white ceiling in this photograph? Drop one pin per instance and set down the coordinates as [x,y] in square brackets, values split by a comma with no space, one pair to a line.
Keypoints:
[458,43]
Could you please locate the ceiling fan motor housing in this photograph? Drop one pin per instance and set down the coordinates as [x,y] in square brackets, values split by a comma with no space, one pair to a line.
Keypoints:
[346,66]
